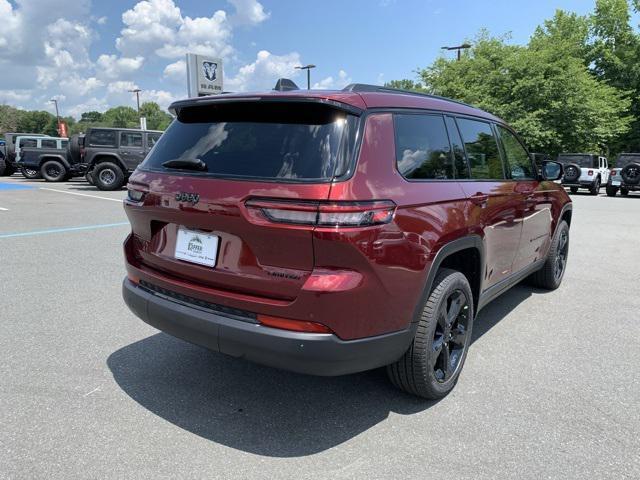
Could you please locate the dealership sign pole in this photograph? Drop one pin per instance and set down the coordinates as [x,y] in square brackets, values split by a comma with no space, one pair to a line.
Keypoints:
[204,75]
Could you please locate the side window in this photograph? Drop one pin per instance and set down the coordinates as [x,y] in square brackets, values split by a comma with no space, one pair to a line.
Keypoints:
[459,158]
[64,143]
[28,142]
[49,143]
[102,138]
[422,147]
[129,139]
[152,138]
[482,150]
[518,161]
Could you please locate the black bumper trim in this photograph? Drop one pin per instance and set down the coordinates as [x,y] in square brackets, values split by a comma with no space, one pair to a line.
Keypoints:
[310,353]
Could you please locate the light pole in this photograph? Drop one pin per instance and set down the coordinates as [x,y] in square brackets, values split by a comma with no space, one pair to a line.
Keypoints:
[137,92]
[308,69]
[55,102]
[464,46]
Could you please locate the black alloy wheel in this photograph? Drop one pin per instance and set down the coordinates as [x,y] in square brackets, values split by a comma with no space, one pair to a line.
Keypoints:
[562,252]
[450,336]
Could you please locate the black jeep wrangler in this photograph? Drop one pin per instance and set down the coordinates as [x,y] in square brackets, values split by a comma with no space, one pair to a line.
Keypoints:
[112,154]
[625,176]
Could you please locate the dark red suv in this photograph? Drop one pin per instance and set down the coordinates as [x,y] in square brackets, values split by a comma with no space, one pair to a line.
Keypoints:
[335,232]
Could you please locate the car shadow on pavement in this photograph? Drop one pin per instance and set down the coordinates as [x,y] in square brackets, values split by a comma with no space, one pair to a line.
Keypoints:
[262,410]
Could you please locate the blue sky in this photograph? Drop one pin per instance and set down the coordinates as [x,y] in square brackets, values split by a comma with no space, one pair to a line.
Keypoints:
[89,53]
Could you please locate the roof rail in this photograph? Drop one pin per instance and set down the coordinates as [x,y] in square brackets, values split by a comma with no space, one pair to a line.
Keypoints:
[364,87]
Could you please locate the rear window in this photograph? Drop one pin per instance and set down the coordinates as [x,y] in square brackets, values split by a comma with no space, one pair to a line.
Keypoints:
[625,160]
[263,140]
[583,161]
[102,138]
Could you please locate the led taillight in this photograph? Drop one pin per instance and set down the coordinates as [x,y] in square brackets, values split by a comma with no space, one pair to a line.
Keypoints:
[324,214]
[613,172]
[590,173]
[293,325]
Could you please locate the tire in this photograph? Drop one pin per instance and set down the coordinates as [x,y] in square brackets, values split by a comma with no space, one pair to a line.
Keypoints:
[108,176]
[624,192]
[89,178]
[573,189]
[8,171]
[595,188]
[572,173]
[631,174]
[30,173]
[53,171]
[611,190]
[421,370]
[549,277]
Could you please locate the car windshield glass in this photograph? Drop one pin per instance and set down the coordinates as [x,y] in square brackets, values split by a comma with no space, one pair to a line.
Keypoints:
[264,140]
[584,161]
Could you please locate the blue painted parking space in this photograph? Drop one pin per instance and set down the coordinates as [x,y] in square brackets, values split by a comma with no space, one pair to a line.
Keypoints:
[14,186]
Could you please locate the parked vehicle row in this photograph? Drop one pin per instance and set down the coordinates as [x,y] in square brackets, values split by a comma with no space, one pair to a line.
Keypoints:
[106,157]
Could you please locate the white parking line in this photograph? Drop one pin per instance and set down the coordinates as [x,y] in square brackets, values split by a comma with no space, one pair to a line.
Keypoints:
[4,209]
[81,194]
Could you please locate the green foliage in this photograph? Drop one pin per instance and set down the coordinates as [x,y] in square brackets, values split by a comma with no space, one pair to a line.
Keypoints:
[157,119]
[34,121]
[405,85]
[574,87]
[91,117]
[121,117]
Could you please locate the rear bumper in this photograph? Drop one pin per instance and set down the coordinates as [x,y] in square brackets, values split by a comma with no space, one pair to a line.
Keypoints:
[310,353]
[579,183]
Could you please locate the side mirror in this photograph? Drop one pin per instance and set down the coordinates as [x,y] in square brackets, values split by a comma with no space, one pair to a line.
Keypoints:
[551,170]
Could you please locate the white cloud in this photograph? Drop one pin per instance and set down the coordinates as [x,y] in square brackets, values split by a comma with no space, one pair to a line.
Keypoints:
[176,72]
[248,12]
[101,21]
[330,83]
[202,35]
[264,72]
[110,66]
[148,25]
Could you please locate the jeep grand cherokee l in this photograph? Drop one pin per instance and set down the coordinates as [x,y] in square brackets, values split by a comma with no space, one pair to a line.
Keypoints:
[335,232]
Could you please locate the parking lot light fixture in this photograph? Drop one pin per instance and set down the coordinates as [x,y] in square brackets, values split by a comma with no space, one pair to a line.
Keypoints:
[308,69]
[458,48]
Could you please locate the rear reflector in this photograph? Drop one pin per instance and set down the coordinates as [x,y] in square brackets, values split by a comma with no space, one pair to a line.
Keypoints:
[324,214]
[332,281]
[293,325]
[133,278]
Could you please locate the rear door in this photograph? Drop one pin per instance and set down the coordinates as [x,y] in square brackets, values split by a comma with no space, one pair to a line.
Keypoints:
[534,198]
[131,149]
[261,151]
[493,199]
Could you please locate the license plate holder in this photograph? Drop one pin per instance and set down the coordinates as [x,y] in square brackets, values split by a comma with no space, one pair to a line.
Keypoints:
[198,247]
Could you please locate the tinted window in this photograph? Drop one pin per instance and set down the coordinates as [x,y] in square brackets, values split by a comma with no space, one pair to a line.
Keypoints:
[624,160]
[104,138]
[28,142]
[460,159]
[260,140]
[129,139]
[482,150]
[422,147]
[64,143]
[152,138]
[583,161]
[49,143]
[518,160]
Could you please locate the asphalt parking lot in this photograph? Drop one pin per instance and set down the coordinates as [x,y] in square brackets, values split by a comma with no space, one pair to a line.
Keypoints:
[551,387]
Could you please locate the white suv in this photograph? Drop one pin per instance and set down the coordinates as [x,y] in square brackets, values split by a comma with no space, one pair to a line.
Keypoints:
[584,170]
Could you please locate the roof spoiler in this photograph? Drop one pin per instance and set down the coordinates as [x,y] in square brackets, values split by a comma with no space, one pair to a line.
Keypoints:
[285,85]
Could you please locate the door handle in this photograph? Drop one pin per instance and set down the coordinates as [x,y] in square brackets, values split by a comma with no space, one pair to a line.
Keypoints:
[480,199]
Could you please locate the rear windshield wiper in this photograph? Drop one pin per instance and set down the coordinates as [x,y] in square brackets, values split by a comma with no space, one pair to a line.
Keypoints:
[186,164]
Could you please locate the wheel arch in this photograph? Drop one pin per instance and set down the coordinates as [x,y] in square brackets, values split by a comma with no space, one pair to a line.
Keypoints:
[466,255]
[107,157]
[48,157]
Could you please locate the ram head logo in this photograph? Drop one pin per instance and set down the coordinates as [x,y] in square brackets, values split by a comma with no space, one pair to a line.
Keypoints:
[209,69]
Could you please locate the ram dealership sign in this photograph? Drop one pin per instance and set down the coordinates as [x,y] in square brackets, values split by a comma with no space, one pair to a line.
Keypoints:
[204,75]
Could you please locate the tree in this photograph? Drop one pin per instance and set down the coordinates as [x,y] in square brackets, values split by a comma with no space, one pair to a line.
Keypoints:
[405,85]
[91,117]
[157,119]
[34,121]
[9,118]
[545,89]
[121,117]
